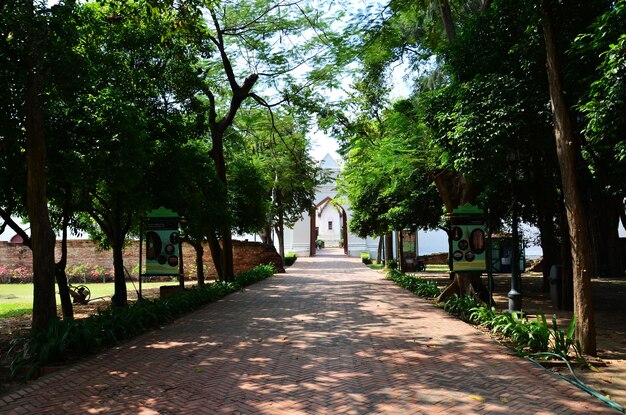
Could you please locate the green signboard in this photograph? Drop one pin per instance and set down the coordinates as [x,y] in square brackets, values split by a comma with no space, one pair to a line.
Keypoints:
[467,238]
[162,243]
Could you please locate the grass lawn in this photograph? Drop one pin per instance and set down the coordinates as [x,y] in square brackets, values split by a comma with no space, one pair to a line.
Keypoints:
[17,299]
[437,267]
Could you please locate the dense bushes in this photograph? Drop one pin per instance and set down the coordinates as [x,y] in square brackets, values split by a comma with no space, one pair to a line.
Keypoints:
[529,337]
[290,258]
[65,340]
[416,285]
[366,258]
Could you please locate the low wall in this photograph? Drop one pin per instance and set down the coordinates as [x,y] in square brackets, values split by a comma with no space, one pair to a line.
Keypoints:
[86,260]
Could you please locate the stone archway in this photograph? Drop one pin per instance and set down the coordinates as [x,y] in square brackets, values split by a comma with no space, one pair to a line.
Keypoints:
[342,217]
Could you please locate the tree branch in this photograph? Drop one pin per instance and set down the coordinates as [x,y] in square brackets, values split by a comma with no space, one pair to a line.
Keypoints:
[219,43]
[6,216]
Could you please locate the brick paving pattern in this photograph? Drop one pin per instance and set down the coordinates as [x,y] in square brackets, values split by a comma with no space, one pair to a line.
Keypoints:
[328,337]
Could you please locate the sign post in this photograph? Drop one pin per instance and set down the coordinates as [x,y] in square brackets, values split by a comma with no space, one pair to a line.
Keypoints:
[162,244]
[467,239]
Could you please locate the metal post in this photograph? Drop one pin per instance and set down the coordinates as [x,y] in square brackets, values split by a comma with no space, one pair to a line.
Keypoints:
[181,266]
[141,230]
[489,260]
[515,295]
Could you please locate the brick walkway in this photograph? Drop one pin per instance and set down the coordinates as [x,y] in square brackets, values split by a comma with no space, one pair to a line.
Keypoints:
[328,337]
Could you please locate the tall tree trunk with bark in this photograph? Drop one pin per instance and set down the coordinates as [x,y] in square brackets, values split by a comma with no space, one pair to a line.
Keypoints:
[117,237]
[567,150]
[42,235]
[446,18]
[603,220]
[388,248]
[216,253]
[199,249]
[226,252]
[218,127]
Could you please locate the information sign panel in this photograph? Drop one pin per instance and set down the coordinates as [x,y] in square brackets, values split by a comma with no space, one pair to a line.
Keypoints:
[162,243]
[467,235]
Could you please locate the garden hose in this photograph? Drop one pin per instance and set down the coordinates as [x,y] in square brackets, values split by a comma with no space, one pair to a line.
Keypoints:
[576,381]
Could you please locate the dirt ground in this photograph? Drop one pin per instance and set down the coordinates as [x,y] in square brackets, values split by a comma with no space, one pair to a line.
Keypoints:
[609,296]
[610,313]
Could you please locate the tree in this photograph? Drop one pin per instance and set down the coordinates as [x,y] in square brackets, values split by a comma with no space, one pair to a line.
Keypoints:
[386,174]
[248,33]
[138,78]
[280,147]
[42,236]
[568,150]
[25,29]
[194,192]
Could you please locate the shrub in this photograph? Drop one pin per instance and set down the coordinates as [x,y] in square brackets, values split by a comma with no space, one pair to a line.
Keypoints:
[87,273]
[392,264]
[366,258]
[416,285]
[74,338]
[461,306]
[529,337]
[290,258]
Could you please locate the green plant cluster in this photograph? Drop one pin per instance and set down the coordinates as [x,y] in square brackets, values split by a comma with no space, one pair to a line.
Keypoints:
[366,258]
[530,337]
[416,285]
[74,338]
[392,264]
[290,258]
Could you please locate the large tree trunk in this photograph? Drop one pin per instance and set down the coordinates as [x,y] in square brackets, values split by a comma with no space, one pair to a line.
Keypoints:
[216,254]
[604,223]
[199,249]
[463,284]
[280,234]
[120,298]
[388,248]
[567,151]
[447,20]
[400,255]
[226,252]
[239,94]
[266,236]
[42,235]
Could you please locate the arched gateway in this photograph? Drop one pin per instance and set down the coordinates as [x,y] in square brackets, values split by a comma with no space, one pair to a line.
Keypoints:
[327,222]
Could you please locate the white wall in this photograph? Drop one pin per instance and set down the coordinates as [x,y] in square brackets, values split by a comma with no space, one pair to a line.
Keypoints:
[329,236]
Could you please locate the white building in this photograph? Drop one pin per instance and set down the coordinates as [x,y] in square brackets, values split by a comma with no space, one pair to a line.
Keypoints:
[327,222]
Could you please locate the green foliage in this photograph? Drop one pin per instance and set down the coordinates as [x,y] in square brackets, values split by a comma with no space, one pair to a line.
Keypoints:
[366,258]
[385,177]
[416,285]
[290,258]
[604,102]
[564,342]
[529,337]
[66,340]
[392,264]
[461,306]
[248,202]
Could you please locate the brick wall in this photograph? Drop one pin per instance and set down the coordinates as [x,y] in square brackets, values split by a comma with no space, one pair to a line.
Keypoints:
[246,255]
